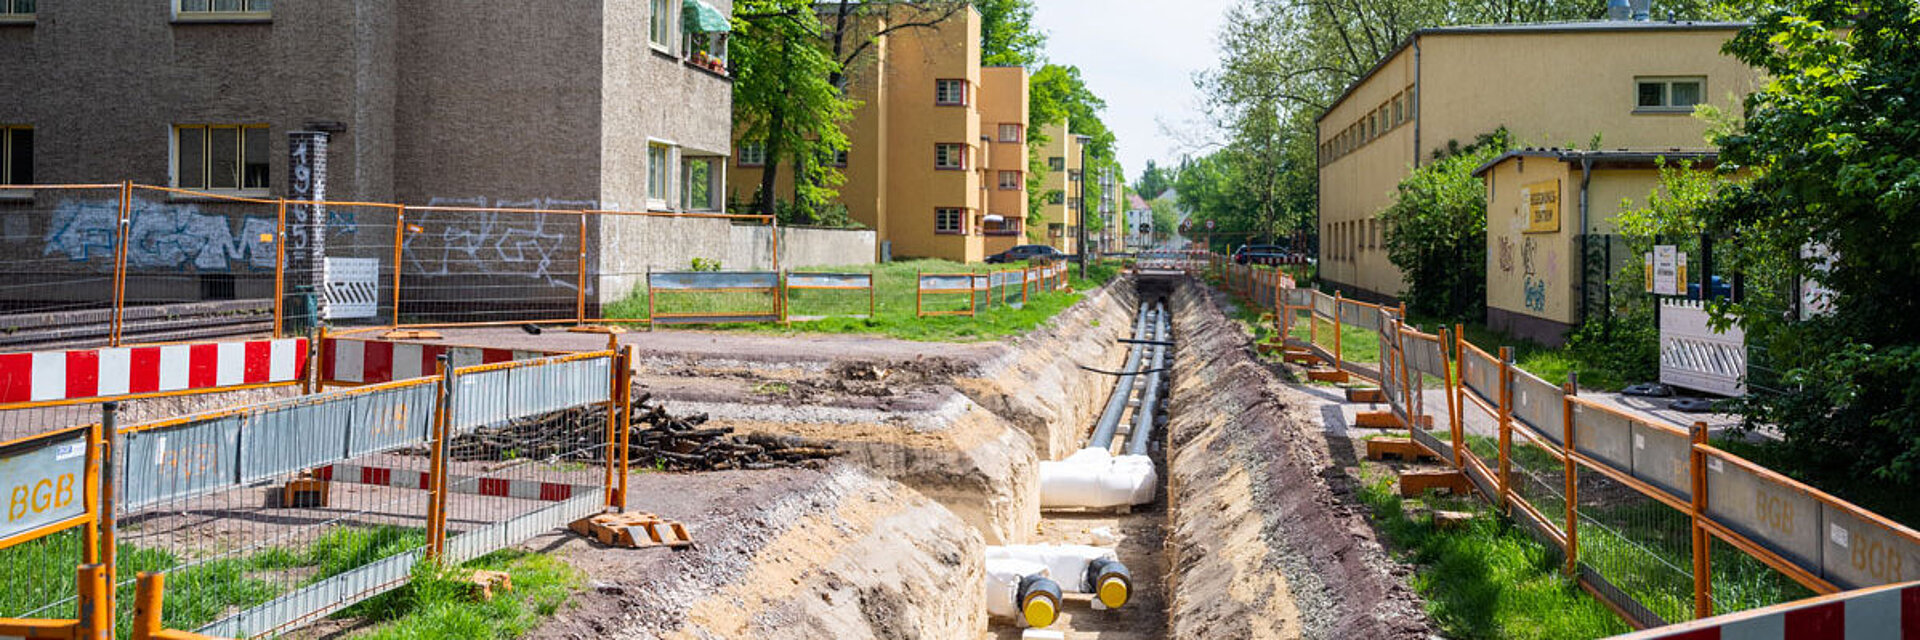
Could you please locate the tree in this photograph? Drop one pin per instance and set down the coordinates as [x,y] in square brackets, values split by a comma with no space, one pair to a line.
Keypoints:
[1833,146]
[1153,181]
[1166,218]
[1057,93]
[784,97]
[1437,232]
[1007,37]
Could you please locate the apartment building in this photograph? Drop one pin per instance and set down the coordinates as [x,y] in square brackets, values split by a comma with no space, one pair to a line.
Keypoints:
[1060,195]
[1631,86]
[622,104]
[937,148]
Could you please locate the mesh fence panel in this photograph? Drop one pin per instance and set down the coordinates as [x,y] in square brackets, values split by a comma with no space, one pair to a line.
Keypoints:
[480,265]
[199,265]
[1638,544]
[347,274]
[57,282]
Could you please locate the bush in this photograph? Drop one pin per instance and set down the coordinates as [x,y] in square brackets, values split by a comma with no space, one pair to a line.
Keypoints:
[1437,232]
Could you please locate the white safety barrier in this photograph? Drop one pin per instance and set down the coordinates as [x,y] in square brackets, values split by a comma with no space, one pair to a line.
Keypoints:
[1096,479]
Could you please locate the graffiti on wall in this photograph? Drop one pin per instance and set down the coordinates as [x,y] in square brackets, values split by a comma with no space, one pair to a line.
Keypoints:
[496,244]
[171,236]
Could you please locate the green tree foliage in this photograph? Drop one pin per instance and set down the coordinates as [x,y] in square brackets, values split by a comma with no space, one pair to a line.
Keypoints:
[1833,145]
[784,97]
[1058,93]
[1007,37]
[1154,181]
[1437,232]
[1166,218]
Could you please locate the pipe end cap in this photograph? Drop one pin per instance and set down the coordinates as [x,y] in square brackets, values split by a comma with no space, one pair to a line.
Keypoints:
[1040,611]
[1113,592]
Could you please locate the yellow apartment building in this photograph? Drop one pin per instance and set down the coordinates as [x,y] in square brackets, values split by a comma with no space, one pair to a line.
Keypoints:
[928,146]
[1631,85]
[1060,203]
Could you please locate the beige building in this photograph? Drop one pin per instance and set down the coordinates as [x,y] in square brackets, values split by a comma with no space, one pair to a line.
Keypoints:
[930,147]
[1060,197]
[1629,85]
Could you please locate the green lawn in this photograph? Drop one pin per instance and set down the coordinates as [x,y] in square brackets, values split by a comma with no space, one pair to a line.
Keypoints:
[896,284]
[438,603]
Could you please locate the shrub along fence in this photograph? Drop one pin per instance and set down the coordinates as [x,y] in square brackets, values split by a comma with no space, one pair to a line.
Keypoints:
[1645,515]
[268,516]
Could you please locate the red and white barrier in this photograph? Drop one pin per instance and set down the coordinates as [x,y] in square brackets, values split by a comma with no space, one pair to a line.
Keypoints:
[417,479]
[89,373]
[346,360]
[1881,613]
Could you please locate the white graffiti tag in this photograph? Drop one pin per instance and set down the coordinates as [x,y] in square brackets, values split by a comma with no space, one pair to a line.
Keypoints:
[487,243]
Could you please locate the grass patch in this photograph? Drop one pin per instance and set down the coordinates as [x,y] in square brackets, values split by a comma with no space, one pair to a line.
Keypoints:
[438,603]
[1488,579]
[894,297]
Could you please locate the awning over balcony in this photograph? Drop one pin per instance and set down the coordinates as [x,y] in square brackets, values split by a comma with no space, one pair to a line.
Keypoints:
[700,17]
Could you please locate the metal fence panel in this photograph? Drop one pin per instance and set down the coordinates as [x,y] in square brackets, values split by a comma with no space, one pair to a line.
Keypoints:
[481,399]
[561,385]
[1539,405]
[391,418]
[1603,436]
[710,280]
[961,282]
[1783,518]
[45,479]
[1425,356]
[317,599]
[1481,375]
[291,437]
[829,280]
[1364,316]
[1299,297]
[1661,458]
[1859,553]
[1323,304]
[500,535]
[180,461]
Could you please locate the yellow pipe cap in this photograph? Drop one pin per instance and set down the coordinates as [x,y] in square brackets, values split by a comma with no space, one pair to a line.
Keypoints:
[1113,592]
[1040,612]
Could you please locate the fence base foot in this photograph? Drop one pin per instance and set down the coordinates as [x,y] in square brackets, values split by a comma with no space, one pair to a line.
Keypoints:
[410,334]
[1396,448]
[303,493]
[1416,482]
[597,328]
[1328,375]
[1367,396]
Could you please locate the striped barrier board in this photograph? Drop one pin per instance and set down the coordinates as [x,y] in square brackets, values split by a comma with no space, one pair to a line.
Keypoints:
[1885,613]
[350,361]
[417,479]
[99,373]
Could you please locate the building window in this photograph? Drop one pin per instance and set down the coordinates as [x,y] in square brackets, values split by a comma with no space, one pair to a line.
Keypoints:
[1073,204]
[950,156]
[833,158]
[950,93]
[657,163]
[221,157]
[1669,94]
[1056,164]
[1073,176]
[16,10]
[1056,230]
[949,220]
[1056,196]
[1010,181]
[700,179]
[16,155]
[662,25]
[218,9]
[1011,132]
[752,154]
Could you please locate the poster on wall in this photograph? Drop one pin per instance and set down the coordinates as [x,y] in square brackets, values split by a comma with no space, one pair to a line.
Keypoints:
[1543,206]
[1667,271]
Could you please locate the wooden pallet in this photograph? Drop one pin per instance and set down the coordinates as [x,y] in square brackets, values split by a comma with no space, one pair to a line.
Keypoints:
[634,530]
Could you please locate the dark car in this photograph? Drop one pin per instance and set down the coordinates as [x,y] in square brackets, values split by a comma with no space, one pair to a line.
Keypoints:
[1027,252]
[1268,254]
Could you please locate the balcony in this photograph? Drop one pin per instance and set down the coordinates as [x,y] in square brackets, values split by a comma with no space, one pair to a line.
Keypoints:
[998,225]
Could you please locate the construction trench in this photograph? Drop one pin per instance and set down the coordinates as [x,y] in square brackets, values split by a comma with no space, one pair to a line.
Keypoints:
[974,498]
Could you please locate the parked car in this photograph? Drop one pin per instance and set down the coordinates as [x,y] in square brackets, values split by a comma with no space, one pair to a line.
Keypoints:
[1268,254]
[1027,252]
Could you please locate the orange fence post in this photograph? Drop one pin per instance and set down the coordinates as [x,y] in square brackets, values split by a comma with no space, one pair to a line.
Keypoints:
[627,358]
[580,291]
[399,239]
[614,408]
[1339,357]
[1452,379]
[123,230]
[917,296]
[94,605]
[1506,427]
[1572,469]
[873,282]
[1702,543]
[148,599]
[437,464]
[280,271]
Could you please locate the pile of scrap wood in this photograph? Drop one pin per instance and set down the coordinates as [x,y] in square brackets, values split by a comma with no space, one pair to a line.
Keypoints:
[659,439]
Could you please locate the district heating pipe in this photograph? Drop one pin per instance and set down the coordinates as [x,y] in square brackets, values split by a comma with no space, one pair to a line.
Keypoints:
[1122,388]
[1143,416]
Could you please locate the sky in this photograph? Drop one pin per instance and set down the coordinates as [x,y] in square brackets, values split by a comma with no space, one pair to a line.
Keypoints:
[1140,56]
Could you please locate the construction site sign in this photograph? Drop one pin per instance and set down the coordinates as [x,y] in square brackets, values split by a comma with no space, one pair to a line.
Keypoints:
[45,480]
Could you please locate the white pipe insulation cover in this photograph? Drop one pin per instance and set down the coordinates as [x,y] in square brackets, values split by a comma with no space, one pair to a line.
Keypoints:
[1003,584]
[1097,479]
[1065,563]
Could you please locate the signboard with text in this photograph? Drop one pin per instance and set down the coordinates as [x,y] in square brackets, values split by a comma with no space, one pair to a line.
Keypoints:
[1666,271]
[1543,206]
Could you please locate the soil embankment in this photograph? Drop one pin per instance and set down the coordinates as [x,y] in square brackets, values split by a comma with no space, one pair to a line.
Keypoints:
[1264,541]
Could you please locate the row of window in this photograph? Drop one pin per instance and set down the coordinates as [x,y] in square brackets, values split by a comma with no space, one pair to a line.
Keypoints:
[191,8]
[1346,240]
[947,156]
[957,221]
[1396,111]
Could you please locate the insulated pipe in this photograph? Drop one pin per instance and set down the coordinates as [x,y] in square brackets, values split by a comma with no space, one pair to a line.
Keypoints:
[1039,601]
[1143,417]
[1122,388]
[1110,582]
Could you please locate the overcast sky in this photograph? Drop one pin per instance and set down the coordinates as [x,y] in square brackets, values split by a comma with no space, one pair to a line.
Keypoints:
[1139,55]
